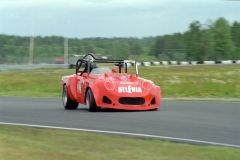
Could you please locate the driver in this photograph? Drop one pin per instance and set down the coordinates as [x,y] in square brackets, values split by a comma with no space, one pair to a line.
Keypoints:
[92,66]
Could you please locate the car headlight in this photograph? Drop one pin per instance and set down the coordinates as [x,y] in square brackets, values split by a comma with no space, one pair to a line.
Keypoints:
[147,85]
[109,85]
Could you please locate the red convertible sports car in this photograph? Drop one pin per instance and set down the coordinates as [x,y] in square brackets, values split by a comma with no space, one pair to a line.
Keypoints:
[102,87]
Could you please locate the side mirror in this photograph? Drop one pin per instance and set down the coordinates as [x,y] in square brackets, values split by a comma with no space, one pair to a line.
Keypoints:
[85,75]
[114,70]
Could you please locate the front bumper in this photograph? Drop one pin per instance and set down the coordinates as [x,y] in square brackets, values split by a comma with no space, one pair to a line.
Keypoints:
[146,102]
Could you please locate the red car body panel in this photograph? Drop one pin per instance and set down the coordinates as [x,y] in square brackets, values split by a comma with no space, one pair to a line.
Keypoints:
[114,90]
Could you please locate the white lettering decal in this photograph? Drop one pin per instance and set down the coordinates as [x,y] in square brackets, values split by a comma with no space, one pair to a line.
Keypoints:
[129,89]
[133,89]
[79,87]
[139,89]
[120,89]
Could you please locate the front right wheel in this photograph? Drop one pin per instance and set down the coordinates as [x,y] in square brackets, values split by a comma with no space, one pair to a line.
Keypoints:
[90,102]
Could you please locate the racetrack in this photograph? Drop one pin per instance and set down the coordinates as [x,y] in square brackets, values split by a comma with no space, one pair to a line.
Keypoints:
[216,122]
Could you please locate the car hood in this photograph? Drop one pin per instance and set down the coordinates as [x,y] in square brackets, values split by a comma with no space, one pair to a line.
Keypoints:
[124,82]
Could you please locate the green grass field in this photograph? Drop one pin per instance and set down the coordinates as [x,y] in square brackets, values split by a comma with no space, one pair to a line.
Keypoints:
[184,81]
[30,143]
[195,81]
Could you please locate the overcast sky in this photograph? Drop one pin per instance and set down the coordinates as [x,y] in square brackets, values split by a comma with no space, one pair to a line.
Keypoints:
[110,18]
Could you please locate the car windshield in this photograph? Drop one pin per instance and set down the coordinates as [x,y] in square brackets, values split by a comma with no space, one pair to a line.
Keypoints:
[100,71]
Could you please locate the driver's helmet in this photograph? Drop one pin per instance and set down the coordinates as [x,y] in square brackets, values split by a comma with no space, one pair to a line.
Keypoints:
[92,63]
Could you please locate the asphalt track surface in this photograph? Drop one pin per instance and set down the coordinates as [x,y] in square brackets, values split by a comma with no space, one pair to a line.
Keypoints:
[213,122]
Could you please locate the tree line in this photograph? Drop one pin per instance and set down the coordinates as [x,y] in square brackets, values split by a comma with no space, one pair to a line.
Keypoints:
[216,40]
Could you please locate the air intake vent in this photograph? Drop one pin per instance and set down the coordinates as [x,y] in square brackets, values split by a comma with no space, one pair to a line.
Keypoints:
[106,100]
[131,100]
[153,101]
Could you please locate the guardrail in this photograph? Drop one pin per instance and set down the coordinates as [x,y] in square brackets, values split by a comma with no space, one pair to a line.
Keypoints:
[156,63]
[152,63]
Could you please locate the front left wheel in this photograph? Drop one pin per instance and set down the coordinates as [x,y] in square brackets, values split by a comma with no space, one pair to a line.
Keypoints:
[67,102]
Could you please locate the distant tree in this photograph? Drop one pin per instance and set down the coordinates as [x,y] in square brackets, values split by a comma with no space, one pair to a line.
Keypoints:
[158,47]
[207,45]
[121,51]
[235,29]
[135,49]
[166,46]
[216,40]
[88,48]
[223,44]
[194,42]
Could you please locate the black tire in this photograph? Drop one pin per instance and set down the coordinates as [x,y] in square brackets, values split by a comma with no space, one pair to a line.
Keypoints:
[67,102]
[90,102]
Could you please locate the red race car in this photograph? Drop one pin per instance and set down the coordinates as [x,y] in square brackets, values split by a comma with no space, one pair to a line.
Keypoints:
[102,87]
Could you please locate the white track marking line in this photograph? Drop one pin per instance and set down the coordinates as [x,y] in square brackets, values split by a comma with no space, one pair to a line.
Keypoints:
[173,139]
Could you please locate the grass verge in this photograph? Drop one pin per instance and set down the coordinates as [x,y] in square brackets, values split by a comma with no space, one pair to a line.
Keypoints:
[18,142]
[184,81]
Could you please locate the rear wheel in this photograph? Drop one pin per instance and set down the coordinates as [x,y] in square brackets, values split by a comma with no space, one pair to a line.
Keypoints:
[90,102]
[67,102]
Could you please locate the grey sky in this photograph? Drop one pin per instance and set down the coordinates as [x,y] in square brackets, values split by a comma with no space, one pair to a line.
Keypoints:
[109,18]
